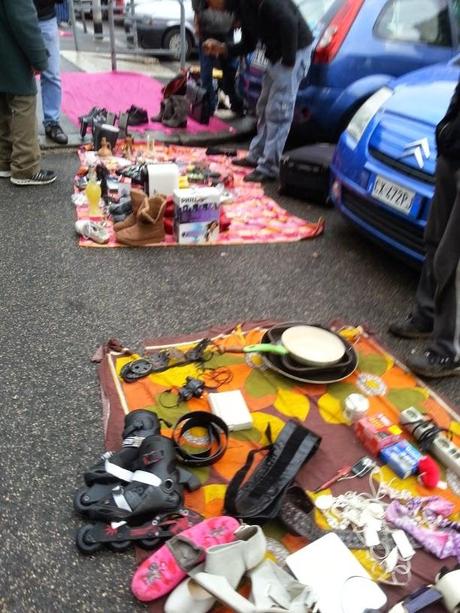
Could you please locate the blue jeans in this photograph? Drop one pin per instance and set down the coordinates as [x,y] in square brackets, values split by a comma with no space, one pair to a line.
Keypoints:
[275,111]
[50,79]
[228,67]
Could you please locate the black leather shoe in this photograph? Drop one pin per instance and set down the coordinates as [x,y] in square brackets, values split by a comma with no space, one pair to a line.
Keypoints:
[258,177]
[410,328]
[137,116]
[433,364]
[244,162]
[56,133]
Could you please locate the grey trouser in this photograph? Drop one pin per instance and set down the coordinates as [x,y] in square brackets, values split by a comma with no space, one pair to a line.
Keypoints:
[438,292]
[275,110]
[19,148]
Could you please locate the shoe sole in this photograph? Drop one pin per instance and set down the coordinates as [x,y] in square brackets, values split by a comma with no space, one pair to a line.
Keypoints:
[24,182]
[5,174]
[410,335]
[440,375]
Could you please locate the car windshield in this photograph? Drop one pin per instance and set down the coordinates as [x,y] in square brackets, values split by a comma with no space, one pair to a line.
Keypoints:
[317,13]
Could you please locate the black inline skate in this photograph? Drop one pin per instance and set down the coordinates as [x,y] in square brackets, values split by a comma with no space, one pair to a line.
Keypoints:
[119,536]
[155,487]
[117,467]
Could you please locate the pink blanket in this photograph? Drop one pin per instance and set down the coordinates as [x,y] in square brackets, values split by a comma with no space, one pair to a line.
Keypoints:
[117,91]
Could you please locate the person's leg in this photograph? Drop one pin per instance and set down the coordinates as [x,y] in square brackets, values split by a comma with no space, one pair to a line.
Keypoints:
[25,154]
[206,67]
[257,144]
[420,323]
[5,136]
[446,268]
[280,111]
[50,79]
[229,68]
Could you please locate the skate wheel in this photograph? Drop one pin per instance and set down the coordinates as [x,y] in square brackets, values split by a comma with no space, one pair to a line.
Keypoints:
[149,543]
[79,503]
[85,542]
[119,546]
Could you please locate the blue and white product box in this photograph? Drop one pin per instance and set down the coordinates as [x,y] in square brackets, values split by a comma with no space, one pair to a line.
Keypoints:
[196,215]
[402,458]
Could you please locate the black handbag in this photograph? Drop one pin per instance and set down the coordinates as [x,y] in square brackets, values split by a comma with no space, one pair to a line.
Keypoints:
[259,498]
[198,101]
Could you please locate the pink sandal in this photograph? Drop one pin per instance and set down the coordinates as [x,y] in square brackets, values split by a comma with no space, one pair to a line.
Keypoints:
[164,569]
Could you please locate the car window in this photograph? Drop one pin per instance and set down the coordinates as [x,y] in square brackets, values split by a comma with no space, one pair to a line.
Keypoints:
[316,12]
[415,21]
[456,6]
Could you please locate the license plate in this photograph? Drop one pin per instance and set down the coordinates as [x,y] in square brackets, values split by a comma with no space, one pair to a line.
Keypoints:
[393,194]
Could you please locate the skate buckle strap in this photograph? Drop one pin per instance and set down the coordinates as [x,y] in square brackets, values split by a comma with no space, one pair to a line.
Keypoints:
[260,497]
[117,471]
[133,441]
[120,500]
[141,476]
[216,436]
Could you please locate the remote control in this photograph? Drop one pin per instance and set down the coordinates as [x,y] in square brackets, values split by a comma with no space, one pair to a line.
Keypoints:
[442,448]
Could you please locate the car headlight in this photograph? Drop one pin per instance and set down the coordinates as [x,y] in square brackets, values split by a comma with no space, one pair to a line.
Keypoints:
[366,112]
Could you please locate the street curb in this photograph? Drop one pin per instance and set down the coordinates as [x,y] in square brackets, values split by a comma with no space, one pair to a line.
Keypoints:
[242,129]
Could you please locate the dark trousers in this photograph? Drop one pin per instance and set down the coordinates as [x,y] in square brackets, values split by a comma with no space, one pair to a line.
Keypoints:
[228,67]
[438,292]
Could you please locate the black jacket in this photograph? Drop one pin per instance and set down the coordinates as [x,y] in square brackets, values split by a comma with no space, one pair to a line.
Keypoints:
[448,129]
[278,24]
[45,8]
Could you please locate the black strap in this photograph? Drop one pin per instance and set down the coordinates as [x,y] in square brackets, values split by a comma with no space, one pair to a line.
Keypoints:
[217,434]
[293,447]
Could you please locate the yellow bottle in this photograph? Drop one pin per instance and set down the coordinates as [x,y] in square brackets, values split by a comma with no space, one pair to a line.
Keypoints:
[93,194]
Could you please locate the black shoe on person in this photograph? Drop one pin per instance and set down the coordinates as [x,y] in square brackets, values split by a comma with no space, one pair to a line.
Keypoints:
[56,133]
[42,177]
[410,328]
[433,364]
[258,177]
[244,162]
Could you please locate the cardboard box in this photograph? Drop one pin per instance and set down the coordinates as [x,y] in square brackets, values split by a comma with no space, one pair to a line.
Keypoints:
[402,458]
[196,215]
[376,432]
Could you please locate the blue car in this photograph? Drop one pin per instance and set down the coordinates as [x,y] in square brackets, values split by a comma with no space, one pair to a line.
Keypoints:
[360,45]
[384,163]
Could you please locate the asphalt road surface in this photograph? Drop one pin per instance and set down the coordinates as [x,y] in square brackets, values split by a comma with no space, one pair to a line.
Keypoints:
[59,302]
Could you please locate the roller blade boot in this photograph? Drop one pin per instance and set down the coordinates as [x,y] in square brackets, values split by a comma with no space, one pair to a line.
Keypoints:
[156,487]
[117,467]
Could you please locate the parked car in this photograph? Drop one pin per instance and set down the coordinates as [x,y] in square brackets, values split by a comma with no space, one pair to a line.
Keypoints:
[384,163]
[158,25]
[360,45]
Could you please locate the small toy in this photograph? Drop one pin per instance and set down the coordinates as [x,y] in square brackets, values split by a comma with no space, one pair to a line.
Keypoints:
[105,149]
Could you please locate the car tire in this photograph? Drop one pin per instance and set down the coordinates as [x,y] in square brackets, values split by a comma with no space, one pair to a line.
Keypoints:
[171,41]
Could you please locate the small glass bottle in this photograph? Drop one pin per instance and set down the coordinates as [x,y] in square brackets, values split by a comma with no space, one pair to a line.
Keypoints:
[93,194]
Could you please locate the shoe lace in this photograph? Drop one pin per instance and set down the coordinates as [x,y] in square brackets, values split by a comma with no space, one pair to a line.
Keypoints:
[436,358]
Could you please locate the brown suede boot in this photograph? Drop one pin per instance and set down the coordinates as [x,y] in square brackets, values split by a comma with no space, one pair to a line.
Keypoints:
[137,198]
[149,227]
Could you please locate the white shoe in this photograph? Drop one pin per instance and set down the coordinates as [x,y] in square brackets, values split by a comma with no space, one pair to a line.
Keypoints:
[5,174]
[91,230]
[224,564]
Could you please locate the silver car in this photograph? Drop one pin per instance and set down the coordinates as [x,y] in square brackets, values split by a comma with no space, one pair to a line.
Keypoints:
[158,25]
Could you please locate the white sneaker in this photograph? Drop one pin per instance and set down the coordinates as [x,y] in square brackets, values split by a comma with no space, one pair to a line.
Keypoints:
[91,230]
[5,174]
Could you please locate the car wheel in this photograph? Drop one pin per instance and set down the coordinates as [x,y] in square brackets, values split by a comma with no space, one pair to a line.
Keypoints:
[171,41]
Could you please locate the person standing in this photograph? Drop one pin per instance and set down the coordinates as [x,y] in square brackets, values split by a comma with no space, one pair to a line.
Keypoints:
[22,52]
[437,311]
[280,27]
[213,21]
[50,79]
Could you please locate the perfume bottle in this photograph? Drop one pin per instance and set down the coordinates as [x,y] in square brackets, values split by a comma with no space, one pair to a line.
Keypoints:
[93,193]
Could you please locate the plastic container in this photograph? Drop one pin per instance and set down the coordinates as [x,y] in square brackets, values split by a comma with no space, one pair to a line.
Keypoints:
[162,179]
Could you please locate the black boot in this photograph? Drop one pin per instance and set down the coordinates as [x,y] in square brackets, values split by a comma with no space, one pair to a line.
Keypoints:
[116,467]
[157,486]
